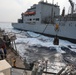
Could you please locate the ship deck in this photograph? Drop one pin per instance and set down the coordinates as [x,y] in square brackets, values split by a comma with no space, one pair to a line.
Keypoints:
[24,72]
[20,67]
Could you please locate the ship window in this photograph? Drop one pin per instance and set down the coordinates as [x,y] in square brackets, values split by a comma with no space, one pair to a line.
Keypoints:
[34,19]
[30,19]
[37,19]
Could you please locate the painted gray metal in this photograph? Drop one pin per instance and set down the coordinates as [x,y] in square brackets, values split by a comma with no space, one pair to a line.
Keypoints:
[65,29]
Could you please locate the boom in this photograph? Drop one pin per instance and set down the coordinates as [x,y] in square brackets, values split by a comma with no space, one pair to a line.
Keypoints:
[72,5]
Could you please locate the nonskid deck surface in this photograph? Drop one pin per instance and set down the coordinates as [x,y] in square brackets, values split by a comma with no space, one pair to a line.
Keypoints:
[23,72]
[67,70]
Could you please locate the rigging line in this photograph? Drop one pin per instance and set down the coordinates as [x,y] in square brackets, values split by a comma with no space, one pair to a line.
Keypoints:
[39,34]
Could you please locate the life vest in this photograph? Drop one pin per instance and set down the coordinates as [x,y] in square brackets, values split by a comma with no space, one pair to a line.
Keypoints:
[14,62]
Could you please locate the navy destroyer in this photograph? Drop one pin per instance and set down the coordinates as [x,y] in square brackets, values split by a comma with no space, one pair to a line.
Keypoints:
[45,18]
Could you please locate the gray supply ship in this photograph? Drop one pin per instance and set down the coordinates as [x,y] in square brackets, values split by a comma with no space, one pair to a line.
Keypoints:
[45,18]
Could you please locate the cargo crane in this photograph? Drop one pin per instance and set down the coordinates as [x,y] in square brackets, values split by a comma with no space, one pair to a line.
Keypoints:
[72,6]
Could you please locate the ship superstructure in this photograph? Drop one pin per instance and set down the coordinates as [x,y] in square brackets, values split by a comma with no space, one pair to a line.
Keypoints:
[40,13]
[45,18]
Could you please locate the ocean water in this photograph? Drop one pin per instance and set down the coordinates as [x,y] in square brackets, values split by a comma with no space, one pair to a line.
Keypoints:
[33,46]
[5,25]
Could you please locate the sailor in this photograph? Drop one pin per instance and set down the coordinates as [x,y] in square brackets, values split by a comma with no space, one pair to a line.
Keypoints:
[4,49]
[31,65]
[1,53]
[14,62]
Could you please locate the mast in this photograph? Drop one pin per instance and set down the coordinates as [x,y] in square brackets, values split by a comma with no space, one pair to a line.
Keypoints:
[72,6]
[52,1]
[42,0]
[46,1]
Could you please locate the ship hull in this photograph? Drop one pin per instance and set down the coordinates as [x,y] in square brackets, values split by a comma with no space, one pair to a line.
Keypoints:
[65,31]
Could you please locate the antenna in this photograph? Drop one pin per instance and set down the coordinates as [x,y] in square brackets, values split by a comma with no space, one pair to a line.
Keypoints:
[46,1]
[52,1]
[42,0]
